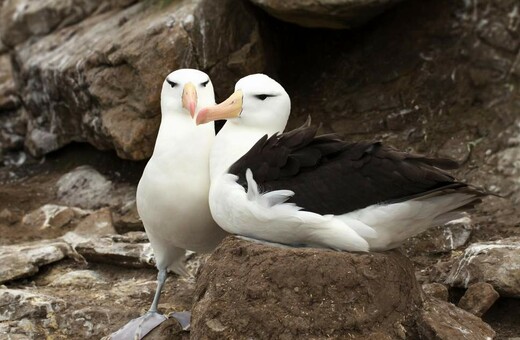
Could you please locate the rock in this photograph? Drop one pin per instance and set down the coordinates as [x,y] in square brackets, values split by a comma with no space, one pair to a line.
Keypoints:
[95,301]
[132,237]
[78,278]
[8,97]
[12,121]
[62,217]
[18,304]
[401,119]
[127,219]
[32,314]
[440,239]
[455,147]
[478,298]
[226,48]
[118,249]
[8,217]
[99,80]
[84,187]
[443,321]
[12,130]
[496,34]
[256,290]
[436,290]
[21,20]
[85,322]
[23,260]
[325,13]
[97,223]
[49,216]
[509,161]
[494,262]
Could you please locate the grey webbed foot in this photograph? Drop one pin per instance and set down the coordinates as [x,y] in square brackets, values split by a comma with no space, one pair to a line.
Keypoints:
[139,327]
[184,319]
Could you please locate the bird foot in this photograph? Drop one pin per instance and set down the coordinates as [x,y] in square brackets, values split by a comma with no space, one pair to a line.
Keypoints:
[138,328]
[184,319]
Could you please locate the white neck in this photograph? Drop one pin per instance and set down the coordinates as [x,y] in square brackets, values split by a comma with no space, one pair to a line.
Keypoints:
[231,143]
[175,130]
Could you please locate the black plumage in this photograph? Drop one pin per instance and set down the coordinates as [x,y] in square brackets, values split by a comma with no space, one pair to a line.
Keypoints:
[332,176]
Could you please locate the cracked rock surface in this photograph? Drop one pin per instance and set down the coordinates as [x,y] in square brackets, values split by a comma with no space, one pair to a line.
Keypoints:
[90,60]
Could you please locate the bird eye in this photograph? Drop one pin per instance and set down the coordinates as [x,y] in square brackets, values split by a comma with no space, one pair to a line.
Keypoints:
[263,96]
[172,83]
[205,83]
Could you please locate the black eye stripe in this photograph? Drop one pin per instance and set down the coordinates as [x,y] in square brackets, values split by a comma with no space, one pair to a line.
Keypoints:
[264,96]
[205,83]
[172,83]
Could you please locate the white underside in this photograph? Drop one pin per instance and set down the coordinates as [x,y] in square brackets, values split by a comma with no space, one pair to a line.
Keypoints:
[172,195]
[265,216]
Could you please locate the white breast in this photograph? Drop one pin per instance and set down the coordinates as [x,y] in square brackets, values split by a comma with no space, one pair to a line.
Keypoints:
[172,195]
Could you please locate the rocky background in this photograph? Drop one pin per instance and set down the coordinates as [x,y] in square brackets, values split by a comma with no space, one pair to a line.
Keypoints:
[79,110]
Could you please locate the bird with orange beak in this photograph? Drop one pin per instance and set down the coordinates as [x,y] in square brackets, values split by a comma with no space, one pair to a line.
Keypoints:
[172,195]
[299,188]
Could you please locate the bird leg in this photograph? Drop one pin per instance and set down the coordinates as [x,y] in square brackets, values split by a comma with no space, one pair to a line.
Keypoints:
[161,279]
[183,318]
[138,328]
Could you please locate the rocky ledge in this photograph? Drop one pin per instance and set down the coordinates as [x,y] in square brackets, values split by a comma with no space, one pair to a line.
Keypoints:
[325,13]
[84,72]
[258,291]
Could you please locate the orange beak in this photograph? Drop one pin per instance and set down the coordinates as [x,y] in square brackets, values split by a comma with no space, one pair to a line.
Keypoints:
[189,98]
[229,108]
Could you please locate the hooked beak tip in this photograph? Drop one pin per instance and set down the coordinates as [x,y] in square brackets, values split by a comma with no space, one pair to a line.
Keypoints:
[201,116]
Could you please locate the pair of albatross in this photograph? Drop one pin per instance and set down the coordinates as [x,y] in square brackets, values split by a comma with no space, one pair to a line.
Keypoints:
[295,188]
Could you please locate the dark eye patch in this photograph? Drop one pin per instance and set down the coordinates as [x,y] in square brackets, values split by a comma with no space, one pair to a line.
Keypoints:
[172,83]
[205,83]
[264,96]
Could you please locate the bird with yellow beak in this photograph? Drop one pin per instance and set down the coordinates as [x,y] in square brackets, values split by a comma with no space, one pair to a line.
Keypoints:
[303,189]
[172,195]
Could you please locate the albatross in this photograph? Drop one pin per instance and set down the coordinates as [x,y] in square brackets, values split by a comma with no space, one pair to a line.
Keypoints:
[303,189]
[172,195]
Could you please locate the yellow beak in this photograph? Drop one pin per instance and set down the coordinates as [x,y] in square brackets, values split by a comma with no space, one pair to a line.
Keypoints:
[229,108]
[189,98]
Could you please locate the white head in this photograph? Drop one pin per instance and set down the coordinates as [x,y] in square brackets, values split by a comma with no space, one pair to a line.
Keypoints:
[258,102]
[185,91]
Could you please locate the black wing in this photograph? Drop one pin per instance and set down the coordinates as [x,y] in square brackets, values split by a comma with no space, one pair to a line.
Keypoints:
[331,176]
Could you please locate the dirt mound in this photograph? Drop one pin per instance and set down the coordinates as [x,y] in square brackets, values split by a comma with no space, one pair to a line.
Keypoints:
[261,291]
